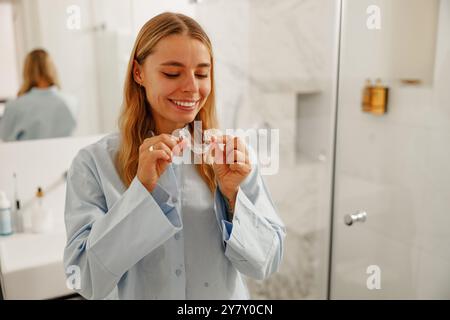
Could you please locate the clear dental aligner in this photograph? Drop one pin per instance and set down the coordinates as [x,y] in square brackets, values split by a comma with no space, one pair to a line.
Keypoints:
[210,133]
[207,138]
[200,148]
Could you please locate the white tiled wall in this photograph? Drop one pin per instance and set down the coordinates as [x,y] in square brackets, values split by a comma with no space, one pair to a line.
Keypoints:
[395,167]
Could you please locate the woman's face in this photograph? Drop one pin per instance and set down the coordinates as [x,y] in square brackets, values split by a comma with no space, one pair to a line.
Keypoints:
[177,80]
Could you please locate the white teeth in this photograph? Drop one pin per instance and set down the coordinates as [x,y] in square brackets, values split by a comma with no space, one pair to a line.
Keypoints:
[184,104]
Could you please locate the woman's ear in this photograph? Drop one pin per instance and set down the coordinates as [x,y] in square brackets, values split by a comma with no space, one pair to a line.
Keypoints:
[137,73]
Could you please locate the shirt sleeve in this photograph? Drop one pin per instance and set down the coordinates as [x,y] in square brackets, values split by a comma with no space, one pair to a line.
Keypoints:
[165,203]
[7,121]
[255,242]
[106,242]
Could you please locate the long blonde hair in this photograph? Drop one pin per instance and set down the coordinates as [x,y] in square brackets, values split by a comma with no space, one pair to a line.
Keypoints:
[136,120]
[38,66]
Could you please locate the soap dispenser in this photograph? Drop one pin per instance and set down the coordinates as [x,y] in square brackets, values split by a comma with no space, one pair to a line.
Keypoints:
[379,98]
[41,216]
[367,96]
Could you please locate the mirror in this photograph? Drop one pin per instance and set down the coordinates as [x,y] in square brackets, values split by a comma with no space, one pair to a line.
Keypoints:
[89,43]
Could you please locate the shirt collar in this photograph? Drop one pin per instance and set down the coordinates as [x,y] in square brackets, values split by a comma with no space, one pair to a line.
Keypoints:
[49,89]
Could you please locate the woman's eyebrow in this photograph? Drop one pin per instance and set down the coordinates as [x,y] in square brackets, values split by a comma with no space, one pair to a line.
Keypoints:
[179,64]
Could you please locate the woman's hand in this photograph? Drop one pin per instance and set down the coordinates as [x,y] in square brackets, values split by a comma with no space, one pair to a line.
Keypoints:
[231,165]
[155,154]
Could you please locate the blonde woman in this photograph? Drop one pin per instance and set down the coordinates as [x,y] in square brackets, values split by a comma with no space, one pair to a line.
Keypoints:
[140,226]
[41,111]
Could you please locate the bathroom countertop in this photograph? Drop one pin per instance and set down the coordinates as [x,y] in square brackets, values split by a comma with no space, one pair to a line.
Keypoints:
[31,266]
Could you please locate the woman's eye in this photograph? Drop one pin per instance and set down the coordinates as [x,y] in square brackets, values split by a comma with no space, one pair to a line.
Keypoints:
[171,75]
[174,75]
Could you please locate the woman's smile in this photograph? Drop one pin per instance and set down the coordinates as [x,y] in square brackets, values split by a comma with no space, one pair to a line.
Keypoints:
[184,105]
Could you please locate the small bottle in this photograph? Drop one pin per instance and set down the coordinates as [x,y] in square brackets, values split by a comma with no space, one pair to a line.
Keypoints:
[367,96]
[5,215]
[41,216]
[379,98]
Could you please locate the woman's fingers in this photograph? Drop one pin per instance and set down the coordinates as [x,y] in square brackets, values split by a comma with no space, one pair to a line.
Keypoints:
[175,145]
[234,150]
[160,155]
[226,149]
[236,156]
[243,168]
[179,147]
[162,146]
[145,145]
[167,139]
[155,154]
[241,162]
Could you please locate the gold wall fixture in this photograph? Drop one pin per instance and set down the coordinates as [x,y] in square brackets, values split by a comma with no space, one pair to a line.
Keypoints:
[375,97]
[366,99]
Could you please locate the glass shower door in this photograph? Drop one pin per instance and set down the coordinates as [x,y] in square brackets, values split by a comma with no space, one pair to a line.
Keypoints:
[391,217]
[276,69]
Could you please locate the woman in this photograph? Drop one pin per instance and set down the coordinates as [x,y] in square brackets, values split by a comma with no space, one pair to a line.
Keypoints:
[41,110]
[142,227]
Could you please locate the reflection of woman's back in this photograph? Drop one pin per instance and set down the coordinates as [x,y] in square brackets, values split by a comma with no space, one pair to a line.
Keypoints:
[41,111]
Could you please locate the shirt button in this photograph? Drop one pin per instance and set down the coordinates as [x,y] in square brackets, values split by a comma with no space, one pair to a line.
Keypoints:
[174,200]
[178,272]
[177,236]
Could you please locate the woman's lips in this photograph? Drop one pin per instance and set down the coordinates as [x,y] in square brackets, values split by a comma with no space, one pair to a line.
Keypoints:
[184,108]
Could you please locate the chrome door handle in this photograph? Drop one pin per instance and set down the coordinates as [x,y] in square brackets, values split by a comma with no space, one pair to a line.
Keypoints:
[359,216]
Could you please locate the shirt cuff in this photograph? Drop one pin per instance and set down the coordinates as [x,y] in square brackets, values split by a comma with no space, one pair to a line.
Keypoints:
[163,199]
[166,203]
[220,209]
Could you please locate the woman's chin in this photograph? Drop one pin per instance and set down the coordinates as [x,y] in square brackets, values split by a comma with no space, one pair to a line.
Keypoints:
[184,118]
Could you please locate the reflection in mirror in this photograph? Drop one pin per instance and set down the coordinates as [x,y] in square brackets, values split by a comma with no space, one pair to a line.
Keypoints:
[82,40]
[89,42]
[41,110]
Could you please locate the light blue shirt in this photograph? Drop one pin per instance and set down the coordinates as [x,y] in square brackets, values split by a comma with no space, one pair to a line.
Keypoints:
[173,243]
[38,114]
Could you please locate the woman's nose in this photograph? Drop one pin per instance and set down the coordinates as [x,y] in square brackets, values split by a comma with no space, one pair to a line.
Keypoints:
[190,83]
